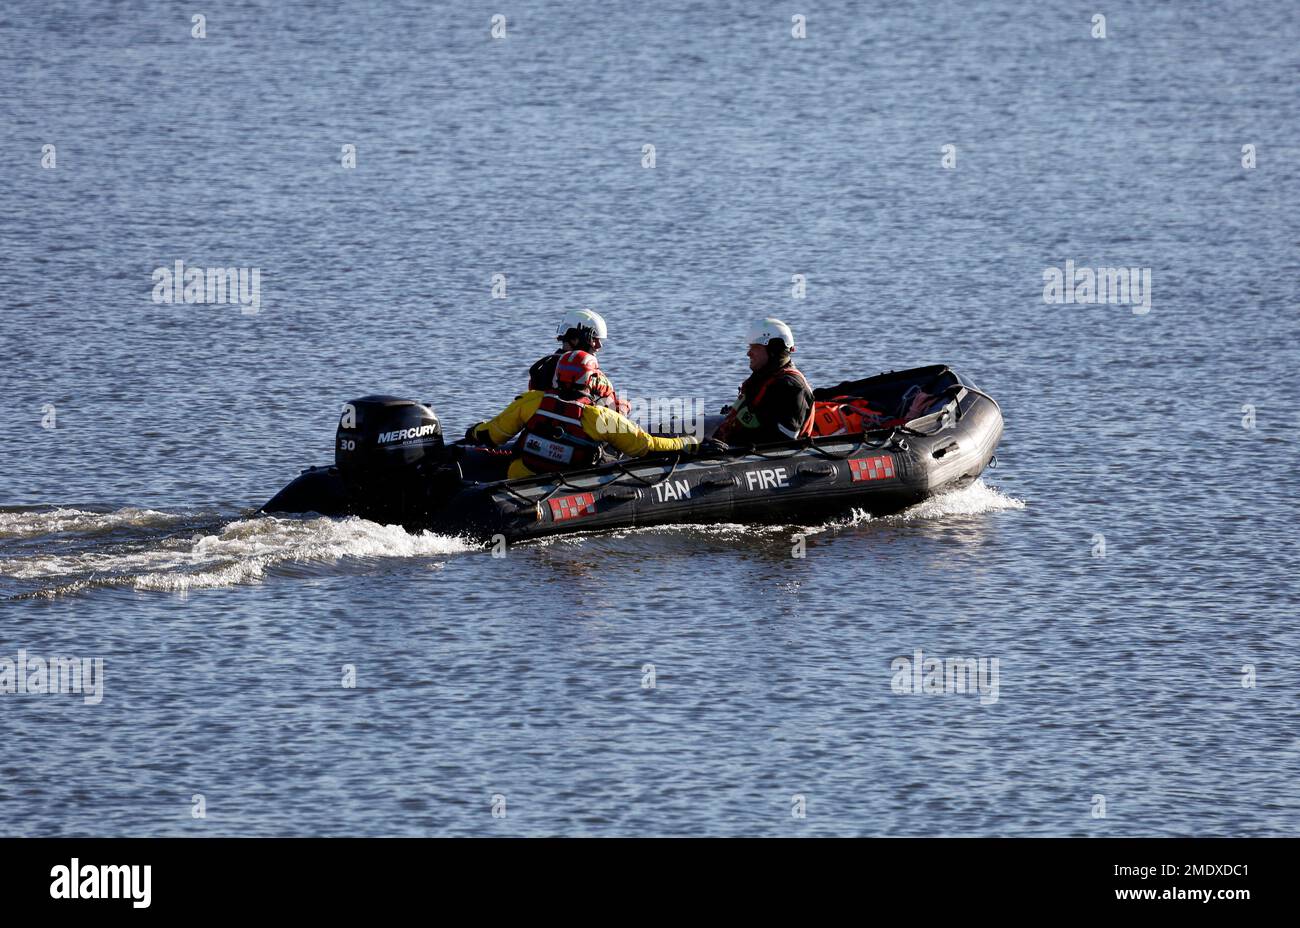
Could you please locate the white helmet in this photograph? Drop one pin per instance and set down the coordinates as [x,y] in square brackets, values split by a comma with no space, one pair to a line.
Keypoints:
[582,319]
[763,331]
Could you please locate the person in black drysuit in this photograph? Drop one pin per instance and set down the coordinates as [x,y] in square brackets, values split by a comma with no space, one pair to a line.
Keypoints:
[775,402]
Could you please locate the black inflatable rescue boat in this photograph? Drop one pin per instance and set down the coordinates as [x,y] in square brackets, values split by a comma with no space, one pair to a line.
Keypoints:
[392,465]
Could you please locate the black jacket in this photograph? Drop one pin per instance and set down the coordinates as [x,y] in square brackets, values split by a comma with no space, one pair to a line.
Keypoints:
[542,374]
[781,411]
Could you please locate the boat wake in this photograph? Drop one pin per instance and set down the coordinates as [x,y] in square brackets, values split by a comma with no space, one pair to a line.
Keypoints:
[973,500]
[22,523]
[54,553]
[51,553]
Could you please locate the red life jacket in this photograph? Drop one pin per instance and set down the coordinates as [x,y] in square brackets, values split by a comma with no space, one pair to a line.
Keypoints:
[541,376]
[554,439]
[730,425]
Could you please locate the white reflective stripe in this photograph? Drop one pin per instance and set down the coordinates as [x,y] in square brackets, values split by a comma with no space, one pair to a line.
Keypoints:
[551,450]
[556,415]
[787,433]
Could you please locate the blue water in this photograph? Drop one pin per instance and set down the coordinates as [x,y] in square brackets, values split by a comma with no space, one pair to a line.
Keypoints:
[127,530]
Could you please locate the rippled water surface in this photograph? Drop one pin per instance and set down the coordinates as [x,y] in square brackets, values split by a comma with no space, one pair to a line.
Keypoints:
[128,534]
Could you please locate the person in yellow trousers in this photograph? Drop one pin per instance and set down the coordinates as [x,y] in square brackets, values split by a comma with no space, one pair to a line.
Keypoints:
[563,428]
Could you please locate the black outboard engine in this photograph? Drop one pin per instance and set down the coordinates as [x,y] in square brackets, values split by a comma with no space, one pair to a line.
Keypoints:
[390,465]
[390,454]
[379,436]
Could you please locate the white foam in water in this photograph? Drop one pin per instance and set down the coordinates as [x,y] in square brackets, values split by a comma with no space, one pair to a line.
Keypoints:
[240,552]
[977,498]
[28,524]
[720,529]
[972,500]
[244,550]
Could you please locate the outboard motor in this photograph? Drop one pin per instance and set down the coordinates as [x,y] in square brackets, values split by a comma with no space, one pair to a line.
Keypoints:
[390,465]
[390,455]
[379,436]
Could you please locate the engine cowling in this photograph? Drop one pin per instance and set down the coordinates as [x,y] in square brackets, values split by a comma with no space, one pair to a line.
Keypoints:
[381,436]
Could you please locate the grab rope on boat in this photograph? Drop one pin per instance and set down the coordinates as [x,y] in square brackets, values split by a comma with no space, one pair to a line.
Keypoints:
[562,481]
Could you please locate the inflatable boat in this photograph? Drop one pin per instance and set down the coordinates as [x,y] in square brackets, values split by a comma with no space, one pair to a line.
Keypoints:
[935,431]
